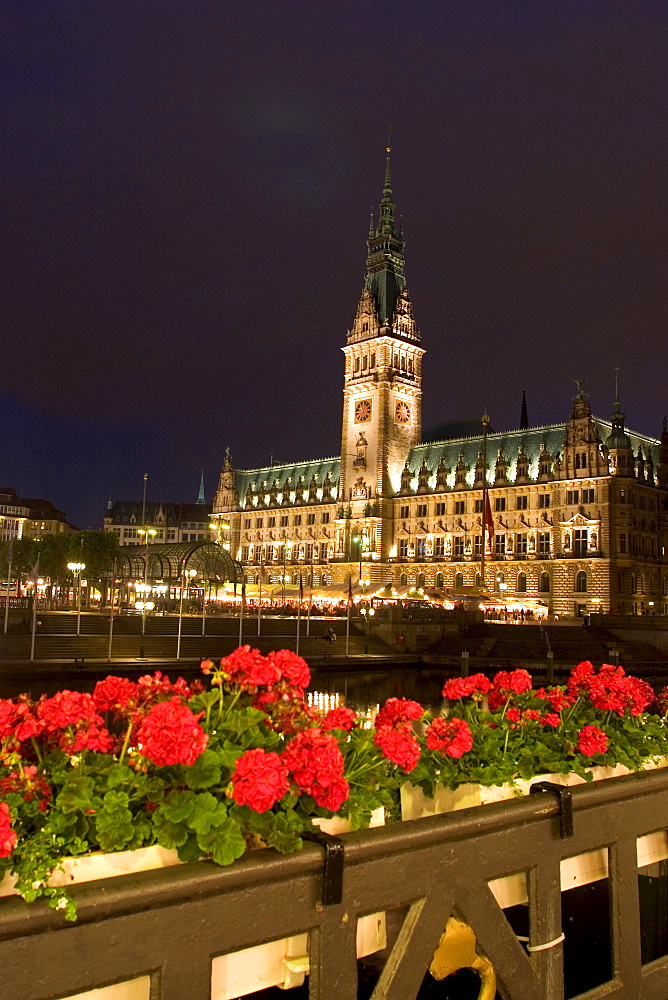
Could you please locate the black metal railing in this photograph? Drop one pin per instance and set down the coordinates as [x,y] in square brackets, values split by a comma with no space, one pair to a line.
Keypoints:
[170,923]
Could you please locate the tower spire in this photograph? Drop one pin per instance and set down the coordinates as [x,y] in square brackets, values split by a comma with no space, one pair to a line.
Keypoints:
[524,416]
[201,498]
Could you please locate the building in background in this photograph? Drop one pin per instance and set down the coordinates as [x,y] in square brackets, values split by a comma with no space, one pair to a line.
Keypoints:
[163,522]
[577,510]
[28,517]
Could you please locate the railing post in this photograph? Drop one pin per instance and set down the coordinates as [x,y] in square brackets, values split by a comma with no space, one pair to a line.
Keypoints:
[465,663]
[550,667]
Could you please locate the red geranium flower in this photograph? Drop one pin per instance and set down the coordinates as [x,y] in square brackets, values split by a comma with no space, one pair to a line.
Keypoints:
[259,780]
[398,744]
[398,710]
[592,740]
[171,734]
[115,694]
[249,668]
[7,834]
[339,718]
[507,683]
[316,762]
[451,736]
[465,687]
[291,667]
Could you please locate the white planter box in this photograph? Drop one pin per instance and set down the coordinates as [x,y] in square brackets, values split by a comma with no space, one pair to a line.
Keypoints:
[278,963]
[575,871]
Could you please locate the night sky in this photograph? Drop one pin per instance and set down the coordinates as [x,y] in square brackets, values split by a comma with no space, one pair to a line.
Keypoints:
[186,189]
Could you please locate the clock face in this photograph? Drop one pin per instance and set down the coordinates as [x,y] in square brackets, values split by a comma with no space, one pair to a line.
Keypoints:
[402,413]
[362,411]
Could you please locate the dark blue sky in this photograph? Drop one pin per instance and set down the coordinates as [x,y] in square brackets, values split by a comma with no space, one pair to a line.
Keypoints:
[185,198]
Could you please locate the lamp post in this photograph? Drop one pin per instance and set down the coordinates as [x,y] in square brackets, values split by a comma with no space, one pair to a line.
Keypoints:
[76,568]
[184,576]
[367,614]
[218,525]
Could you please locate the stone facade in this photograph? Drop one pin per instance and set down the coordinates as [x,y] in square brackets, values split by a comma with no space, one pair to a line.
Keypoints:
[578,508]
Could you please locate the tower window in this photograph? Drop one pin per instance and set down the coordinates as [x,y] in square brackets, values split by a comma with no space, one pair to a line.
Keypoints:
[365,327]
[581,583]
[357,364]
[365,360]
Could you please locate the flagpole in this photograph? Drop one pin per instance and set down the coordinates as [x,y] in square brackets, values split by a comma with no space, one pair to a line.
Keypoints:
[241,612]
[34,611]
[310,601]
[9,582]
[485,424]
[299,611]
[111,614]
[350,599]
[259,599]
[178,637]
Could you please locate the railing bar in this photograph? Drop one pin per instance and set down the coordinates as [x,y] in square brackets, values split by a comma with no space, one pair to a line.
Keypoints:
[625,915]
[333,958]
[418,938]
[544,889]
[514,969]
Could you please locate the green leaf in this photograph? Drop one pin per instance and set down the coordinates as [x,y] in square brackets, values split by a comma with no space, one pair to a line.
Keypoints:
[77,795]
[114,825]
[225,843]
[207,813]
[121,775]
[205,772]
[169,834]
[178,806]
[190,851]
[286,834]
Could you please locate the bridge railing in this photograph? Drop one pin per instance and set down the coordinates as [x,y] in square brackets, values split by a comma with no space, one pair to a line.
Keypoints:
[169,924]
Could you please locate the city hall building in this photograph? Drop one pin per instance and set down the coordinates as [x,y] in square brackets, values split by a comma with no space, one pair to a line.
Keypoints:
[576,511]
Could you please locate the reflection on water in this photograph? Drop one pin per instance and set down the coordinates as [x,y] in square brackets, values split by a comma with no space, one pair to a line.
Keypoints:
[366,690]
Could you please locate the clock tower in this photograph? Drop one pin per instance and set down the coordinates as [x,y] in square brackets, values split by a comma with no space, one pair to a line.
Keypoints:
[382,393]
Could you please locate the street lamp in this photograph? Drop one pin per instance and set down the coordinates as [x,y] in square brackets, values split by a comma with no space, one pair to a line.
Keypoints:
[76,568]
[367,614]
[149,534]
[184,576]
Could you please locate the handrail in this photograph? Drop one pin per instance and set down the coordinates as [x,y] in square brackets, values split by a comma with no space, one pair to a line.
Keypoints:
[170,923]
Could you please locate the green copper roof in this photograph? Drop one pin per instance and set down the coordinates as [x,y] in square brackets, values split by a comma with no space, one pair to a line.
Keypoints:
[284,479]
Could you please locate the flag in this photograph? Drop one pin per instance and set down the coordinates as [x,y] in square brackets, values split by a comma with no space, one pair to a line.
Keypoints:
[350,591]
[489,521]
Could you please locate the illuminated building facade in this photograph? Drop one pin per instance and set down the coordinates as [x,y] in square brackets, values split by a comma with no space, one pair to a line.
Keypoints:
[578,508]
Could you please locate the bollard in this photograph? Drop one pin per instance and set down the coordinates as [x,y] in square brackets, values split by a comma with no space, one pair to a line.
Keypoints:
[465,663]
[550,667]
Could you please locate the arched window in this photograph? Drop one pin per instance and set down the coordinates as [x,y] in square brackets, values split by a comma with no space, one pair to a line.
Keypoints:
[544,583]
[420,580]
[521,583]
[634,584]
[403,580]
[459,581]
[500,578]
[295,578]
[581,583]
[478,580]
[323,580]
[439,580]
